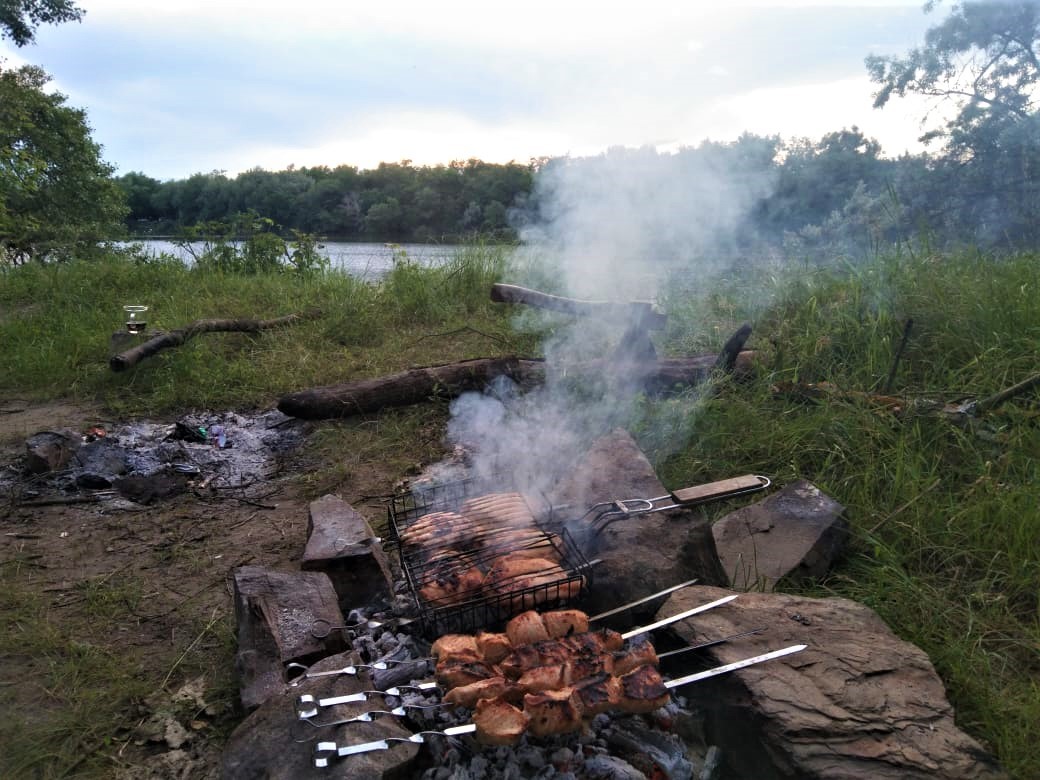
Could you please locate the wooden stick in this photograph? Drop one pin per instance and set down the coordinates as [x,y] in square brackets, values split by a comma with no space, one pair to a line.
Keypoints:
[640,311]
[175,338]
[899,354]
[995,400]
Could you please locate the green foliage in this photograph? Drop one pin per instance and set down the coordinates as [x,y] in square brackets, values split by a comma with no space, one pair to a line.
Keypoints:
[57,197]
[248,244]
[20,18]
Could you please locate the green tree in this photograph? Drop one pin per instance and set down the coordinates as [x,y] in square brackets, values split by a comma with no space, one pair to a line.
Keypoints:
[20,18]
[56,193]
[984,59]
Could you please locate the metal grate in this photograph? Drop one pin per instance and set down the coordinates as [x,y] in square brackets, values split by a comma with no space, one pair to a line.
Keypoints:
[490,606]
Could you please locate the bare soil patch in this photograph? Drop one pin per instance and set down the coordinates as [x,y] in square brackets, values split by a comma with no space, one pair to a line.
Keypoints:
[142,592]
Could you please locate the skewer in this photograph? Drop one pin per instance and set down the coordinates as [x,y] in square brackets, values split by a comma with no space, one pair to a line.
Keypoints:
[323,751]
[643,600]
[676,618]
[712,643]
[364,717]
[321,628]
[307,706]
[302,673]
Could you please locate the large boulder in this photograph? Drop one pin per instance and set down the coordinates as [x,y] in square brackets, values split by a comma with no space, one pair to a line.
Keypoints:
[797,532]
[858,702]
[641,554]
[264,745]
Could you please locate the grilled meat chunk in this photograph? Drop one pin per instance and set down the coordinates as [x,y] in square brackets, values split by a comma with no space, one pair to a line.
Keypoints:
[497,510]
[591,644]
[456,646]
[451,585]
[542,678]
[599,693]
[642,690]
[438,529]
[491,688]
[564,622]
[638,653]
[553,712]
[453,673]
[498,722]
[582,666]
[526,628]
[493,647]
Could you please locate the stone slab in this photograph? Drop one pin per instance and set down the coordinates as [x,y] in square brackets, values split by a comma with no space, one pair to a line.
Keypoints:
[797,532]
[858,702]
[275,612]
[340,543]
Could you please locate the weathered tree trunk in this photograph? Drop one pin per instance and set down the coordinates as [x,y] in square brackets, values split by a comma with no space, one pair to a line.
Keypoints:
[641,312]
[447,381]
[175,338]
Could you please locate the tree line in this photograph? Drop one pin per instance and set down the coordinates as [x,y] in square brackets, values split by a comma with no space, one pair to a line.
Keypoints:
[980,185]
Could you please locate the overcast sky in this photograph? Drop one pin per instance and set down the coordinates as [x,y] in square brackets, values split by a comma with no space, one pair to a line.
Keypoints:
[177,87]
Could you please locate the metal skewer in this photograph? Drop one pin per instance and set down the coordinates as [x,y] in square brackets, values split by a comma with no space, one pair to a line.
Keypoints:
[364,717]
[692,678]
[712,643]
[643,600]
[676,618]
[301,673]
[307,706]
[321,628]
[323,751]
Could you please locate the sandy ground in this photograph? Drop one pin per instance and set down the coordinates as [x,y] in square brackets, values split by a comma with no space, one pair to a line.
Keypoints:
[174,558]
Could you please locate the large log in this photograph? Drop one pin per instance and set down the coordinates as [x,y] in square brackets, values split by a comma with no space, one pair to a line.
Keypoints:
[418,385]
[641,313]
[175,338]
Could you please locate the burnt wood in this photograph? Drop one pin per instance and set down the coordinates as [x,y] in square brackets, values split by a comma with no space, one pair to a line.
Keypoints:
[637,311]
[419,385]
[175,338]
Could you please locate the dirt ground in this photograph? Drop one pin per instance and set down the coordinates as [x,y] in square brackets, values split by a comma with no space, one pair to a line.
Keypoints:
[149,586]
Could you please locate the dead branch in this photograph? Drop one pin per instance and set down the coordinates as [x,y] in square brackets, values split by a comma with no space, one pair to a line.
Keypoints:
[176,338]
[637,311]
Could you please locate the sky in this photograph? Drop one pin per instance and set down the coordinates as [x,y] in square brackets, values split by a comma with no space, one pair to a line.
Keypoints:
[184,86]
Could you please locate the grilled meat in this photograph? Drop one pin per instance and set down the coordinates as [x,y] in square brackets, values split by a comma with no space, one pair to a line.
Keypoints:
[543,678]
[453,673]
[526,628]
[499,509]
[638,653]
[498,722]
[564,622]
[438,529]
[642,690]
[553,712]
[557,651]
[599,693]
[493,647]
[450,585]
[456,645]
[491,688]
[581,666]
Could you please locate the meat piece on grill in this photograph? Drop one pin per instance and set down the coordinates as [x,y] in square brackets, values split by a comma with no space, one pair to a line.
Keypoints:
[525,629]
[528,543]
[553,712]
[450,585]
[582,665]
[599,693]
[591,644]
[642,690]
[638,653]
[543,678]
[456,646]
[510,566]
[493,647]
[453,673]
[512,573]
[498,722]
[564,622]
[497,510]
[438,529]
[491,688]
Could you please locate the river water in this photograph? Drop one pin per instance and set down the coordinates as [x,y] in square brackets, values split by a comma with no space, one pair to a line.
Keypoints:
[369,261]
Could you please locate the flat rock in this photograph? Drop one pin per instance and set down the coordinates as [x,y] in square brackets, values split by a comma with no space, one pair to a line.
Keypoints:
[340,542]
[858,702]
[635,561]
[797,532]
[263,745]
[276,613]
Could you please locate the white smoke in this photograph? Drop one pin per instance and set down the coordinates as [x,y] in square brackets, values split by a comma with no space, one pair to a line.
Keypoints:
[611,227]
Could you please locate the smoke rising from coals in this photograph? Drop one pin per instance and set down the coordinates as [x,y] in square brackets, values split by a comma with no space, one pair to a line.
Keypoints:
[610,227]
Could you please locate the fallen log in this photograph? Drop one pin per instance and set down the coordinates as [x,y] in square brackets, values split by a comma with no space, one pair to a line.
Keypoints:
[418,385]
[175,338]
[637,312]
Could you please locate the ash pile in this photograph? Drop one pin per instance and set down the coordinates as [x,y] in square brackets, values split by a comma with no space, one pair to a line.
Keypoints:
[142,462]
